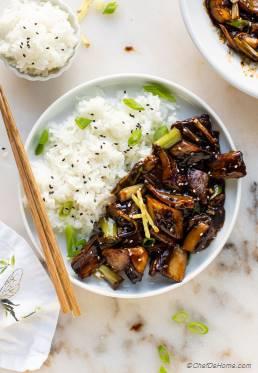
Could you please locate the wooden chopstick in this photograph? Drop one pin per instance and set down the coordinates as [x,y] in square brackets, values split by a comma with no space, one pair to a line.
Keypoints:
[47,238]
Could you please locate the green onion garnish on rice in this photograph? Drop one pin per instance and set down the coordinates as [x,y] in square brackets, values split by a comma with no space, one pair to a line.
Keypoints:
[132,104]
[160,90]
[135,137]
[82,122]
[110,8]
[43,139]
[65,209]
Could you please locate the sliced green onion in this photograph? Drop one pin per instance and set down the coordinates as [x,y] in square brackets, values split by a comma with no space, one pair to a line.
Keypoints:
[239,23]
[197,327]
[164,354]
[161,131]
[163,370]
[65,209]
[108,227]
[148,242]
[71,239]
[43,139]
[12,260]
[180,317]
[110,8]
[170,139]
[135,137]
[217,191]
[160,90]
[113,278]
[82,122]
[131,103]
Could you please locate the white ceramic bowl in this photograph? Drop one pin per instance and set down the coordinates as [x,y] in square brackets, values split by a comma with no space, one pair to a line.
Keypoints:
[75,24]
[189,105]
[206,37]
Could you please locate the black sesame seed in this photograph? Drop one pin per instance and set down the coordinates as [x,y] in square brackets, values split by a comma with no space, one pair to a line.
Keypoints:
[62,49]
[77,190]
[24,27]
[97,153]
[101,146]
[131,115]
[91,221]
[92,114]
[81,213]
[37,32]
[56,37]
[24,55]
[123,122]
[47,48]
[52,177]
[125,92]
[3,148]
[85,182]
[63,159]
[51,187]
[147,104]
[35,23]
[104,166]
[44,200]
[151,108]
[72,165]
[73,216]
[83,176]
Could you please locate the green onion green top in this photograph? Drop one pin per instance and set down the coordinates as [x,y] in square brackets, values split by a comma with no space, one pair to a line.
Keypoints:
[180,317]
[131,103]
[239,23]
[164,354]
[163,370]
[217,191]
[161,131]
[197,327]
[82,122]
[135,137]
[110,8]
[160,90]
[43,139]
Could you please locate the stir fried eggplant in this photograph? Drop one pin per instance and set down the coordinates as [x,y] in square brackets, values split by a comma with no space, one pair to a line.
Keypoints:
[169,206]
[238,20]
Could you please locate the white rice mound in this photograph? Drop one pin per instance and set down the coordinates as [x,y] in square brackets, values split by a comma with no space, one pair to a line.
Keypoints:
[83,166]
[36,37]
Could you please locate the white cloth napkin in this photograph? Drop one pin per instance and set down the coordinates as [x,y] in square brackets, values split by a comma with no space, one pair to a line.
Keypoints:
[24,344]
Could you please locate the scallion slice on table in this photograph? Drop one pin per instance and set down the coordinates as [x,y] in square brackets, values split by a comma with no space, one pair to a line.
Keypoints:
[110,8]
[197,327]
[135,137]
[132,104]
[180,317]
[163,370]
[169,139]
[160,90]
[161,131]
[163,354]
[82,122]
[43,139]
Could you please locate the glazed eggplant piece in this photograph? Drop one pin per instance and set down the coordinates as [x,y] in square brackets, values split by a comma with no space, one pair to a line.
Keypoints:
[175,265]
[198,182]
[168,219]
[228,165]
[118,259]
[88,260]
[174,200]
[126,225]
[138,262]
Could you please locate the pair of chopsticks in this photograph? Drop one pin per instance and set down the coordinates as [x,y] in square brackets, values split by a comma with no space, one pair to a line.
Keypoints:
[54,259]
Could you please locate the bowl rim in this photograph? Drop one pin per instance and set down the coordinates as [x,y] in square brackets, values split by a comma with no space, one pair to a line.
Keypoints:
[200,102]
[38,78]
[207,56]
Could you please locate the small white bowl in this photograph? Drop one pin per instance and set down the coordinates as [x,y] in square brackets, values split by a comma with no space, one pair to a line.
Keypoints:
[75,24]
[189,105]
[206,37]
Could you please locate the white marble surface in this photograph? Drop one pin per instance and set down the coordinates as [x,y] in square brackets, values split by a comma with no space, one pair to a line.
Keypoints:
[225,295]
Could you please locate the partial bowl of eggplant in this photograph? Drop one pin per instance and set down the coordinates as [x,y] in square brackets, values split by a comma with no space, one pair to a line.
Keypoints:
[226,33]
[140,274]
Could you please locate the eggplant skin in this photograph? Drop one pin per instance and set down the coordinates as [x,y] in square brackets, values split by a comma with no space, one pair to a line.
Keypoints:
[198,183]
[176,265]
[117,259]
[228,165]
[86,263]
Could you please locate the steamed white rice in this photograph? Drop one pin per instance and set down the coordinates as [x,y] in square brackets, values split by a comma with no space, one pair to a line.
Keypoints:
[36,36]
[83,166]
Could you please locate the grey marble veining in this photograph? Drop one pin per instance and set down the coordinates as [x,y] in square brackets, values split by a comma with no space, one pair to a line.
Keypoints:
[121,336]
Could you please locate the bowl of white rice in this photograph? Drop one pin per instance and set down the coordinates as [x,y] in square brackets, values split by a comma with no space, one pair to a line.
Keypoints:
[38,38]
[81,161]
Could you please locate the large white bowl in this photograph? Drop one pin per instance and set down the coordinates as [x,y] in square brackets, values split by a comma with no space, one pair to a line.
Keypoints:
[189,105]
[75,24]
[206,37]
